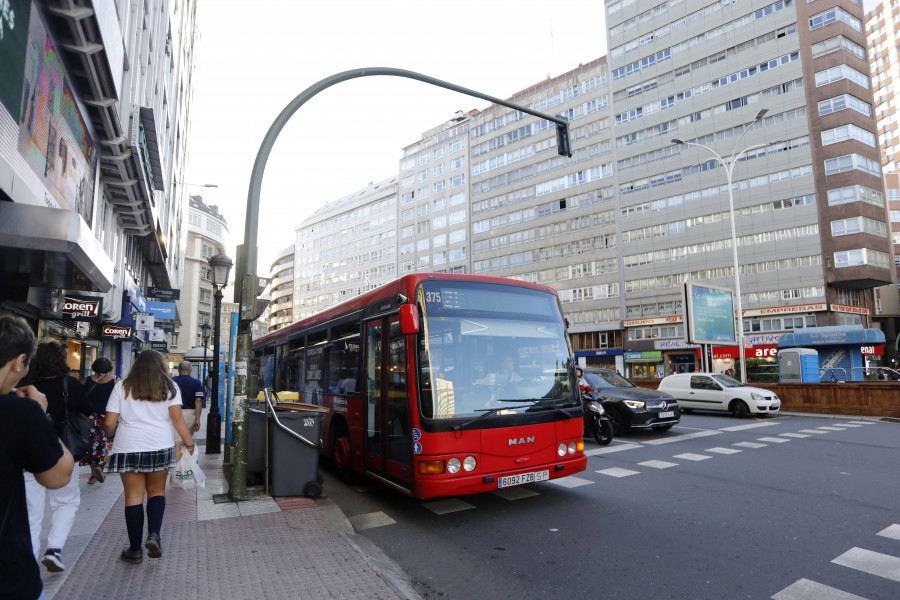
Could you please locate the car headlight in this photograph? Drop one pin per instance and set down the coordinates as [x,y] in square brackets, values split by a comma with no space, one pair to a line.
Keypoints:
[470,463]
[756,396]
[453,465]
[634,404]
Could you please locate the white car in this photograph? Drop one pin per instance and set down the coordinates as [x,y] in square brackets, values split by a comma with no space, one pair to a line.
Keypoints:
[715,391]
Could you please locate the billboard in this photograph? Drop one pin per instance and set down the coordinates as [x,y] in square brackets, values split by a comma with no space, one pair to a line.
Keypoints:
[53,137]
[710,314]
[14,16]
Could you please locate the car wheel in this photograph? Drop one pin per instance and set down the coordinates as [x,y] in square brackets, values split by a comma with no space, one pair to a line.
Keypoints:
[739,409]
[618,421]
[662,428]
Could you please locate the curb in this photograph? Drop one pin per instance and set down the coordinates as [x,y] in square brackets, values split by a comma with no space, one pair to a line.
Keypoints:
[378,561]
[836,417]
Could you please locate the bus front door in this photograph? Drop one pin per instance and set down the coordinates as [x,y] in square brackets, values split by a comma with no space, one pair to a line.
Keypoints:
[388,445]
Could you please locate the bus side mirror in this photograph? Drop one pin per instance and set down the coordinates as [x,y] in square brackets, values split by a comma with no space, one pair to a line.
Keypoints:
[409,319]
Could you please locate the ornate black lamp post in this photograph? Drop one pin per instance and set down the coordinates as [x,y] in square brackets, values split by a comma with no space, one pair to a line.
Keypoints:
[205,327]
[220,266]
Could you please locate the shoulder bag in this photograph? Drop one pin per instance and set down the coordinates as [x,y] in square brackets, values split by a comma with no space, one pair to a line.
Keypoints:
[76,433]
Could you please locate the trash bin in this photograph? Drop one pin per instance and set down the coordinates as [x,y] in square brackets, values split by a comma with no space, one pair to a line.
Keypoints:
[256,439]
[294,463]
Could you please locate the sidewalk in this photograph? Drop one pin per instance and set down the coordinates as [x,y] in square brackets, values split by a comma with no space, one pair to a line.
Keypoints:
[260,549]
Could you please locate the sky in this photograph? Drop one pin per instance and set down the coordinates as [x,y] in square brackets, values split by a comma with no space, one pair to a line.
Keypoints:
[253,58]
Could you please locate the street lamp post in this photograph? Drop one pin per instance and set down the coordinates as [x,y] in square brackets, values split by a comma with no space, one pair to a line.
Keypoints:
[205,335]
[729,169]
[220,265]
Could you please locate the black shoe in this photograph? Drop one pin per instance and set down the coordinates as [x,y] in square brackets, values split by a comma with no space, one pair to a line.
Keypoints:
[154,550]
[53,561]
[134,557]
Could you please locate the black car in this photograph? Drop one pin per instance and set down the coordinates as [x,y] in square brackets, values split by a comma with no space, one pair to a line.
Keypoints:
[629,406]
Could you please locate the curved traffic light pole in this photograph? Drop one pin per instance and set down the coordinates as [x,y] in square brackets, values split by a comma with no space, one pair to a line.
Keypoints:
[246,267]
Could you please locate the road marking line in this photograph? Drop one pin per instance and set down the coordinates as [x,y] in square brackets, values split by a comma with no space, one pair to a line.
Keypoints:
[830,428]
[718,450]
[691,456]
[443,507]
[750,426]
[816,431]
[794,435]
[749,445]
[870,562]
[804,589]
[658,464]
[848,424]
[570,482]
[609,449]
[777,440]
[617,472]
[862,422]
[370,520]
[516,493]
[681,438]
[892,532]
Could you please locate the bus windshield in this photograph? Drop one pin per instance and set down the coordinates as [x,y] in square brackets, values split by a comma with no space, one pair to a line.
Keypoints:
[488,347]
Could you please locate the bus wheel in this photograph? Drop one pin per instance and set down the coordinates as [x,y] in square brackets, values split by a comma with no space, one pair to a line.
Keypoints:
[343,456]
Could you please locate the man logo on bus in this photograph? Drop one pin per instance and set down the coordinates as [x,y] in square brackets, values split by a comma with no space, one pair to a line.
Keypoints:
[520,441]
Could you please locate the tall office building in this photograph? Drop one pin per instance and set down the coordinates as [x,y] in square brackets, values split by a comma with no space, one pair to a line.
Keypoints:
[94,118]
[884,61]
[811,221]
[280,311]
[345,248]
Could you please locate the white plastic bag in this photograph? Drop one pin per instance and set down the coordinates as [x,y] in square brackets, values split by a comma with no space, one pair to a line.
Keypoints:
[199,475]
[184,476]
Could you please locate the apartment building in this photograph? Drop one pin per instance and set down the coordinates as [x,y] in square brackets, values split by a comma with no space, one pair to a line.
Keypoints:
[280,311]
[345,248]
[811,219]
[884,62]
[94,122]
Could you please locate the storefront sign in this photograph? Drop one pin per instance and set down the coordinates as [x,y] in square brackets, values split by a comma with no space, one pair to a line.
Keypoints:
[872,350]
[607,352]
[652,321]
[651,356]
[144,322]
[159,346]
[161,310]
[844,308]
[82,308]
[673,345]
[117,332]
[164,293]
[783,310]
[754,352]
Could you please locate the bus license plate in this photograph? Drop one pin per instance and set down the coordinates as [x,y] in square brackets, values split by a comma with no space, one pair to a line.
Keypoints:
[523,478]
[667,414]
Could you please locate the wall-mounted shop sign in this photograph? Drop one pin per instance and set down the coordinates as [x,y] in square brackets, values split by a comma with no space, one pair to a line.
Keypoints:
[164,293]
[652,321]
[116,332]
[82,308]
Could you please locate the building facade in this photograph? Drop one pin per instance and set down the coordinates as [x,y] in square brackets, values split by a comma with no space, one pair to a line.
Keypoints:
[207,235]
[280,311]
[811,220]
[345,248]
[94,119]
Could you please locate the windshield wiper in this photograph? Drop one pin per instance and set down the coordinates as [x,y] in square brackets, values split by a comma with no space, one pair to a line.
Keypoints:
[546,403]
[484,412]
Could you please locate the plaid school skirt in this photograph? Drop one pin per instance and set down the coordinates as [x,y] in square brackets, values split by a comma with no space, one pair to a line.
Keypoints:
[142,462]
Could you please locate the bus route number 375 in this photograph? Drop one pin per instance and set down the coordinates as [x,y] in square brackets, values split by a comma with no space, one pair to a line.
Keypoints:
[433,297]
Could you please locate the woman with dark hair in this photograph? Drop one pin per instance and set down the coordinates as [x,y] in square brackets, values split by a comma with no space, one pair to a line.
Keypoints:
[50,375]
[97,388]
[144,408]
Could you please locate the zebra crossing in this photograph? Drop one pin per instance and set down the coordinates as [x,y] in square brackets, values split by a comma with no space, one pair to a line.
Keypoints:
[452,505]
[878,564]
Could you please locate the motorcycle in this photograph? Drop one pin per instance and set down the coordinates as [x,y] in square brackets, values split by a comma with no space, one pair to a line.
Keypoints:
[596,423]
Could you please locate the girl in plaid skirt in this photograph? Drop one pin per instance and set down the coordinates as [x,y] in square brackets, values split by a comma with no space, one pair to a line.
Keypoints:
[141,411]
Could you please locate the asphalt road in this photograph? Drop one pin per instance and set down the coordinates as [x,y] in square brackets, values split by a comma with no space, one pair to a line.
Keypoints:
[792,508]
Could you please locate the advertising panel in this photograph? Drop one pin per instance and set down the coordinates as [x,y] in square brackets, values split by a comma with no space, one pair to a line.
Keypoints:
[53,137]
[710,312]
[82,308]
[14,17]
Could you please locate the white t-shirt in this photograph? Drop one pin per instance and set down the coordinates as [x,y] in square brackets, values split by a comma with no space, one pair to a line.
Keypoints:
[143,426]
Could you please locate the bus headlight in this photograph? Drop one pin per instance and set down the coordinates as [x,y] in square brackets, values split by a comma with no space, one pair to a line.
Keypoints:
[470,463]
[453,465]
[561,450]
[572,447]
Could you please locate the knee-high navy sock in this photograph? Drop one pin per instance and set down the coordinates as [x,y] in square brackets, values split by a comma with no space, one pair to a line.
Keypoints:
[156,507]
[134,522]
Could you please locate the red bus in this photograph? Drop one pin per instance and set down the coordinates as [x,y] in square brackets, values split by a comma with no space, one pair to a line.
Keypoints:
[438,384]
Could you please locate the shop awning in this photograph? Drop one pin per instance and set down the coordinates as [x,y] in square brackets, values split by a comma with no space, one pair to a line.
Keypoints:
[831,336]
[51,248]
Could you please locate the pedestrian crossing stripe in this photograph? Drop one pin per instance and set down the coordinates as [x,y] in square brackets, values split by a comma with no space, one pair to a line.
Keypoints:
[804,589]
[873,563]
